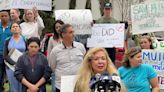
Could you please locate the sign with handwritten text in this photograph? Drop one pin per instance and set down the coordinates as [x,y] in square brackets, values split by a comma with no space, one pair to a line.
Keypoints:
[147,17]
[156,59]
[26,4]
[80,19]
[106,35]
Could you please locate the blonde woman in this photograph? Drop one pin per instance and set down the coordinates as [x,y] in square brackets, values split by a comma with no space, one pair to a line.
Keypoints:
[95,61]
[33,25]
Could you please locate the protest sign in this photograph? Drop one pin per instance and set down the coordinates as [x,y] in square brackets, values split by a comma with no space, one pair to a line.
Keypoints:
[106,35]
[4,4]
[26,4]
[147,17]
[158,45]
[80,19]
[156,59]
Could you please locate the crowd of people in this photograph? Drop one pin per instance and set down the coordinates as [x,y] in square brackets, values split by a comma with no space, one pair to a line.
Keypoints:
[67,56]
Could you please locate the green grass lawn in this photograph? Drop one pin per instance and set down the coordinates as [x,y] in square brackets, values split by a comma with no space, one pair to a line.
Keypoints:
[48,87]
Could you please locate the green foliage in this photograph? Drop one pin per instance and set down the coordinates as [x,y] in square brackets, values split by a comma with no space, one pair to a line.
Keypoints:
[48,20]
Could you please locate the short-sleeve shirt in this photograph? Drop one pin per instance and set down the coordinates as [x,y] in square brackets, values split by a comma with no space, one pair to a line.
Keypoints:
[137,79]
[66,61]
[20,45]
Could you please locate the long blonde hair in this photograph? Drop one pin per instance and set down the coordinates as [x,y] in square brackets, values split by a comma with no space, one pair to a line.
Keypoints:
[86,72]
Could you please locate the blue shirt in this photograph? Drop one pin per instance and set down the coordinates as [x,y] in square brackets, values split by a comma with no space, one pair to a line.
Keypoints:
[137,79]
[20,45]
[4,33]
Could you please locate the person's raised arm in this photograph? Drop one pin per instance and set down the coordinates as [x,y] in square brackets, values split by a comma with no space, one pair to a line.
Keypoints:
[39,20]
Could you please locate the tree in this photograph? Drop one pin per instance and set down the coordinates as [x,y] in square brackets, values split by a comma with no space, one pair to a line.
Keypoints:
[48,19]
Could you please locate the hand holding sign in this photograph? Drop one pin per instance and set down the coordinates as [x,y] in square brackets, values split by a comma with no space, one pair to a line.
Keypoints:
[107,35]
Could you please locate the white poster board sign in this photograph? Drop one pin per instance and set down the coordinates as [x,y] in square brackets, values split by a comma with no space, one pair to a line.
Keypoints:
[106,35]
[68,83]
[147,17]
[5,4]
[26,4]
[80,19]
[156,59]
[149,1]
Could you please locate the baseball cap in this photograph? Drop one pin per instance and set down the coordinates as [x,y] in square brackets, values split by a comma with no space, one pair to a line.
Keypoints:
[108,5]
